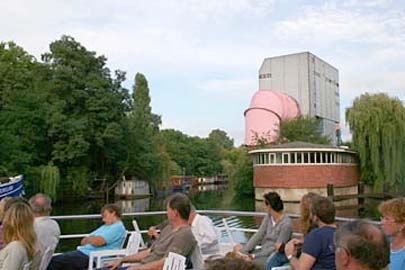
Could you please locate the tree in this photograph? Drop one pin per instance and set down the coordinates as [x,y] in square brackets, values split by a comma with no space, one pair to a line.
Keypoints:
[220,138]
[143,153]
[377,123]
[305,129]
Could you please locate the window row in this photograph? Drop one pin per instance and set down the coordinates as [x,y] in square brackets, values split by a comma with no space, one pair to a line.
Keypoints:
[303,158]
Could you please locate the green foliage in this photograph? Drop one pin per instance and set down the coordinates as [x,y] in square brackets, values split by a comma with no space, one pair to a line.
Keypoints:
[78,178]
[50,179]
[304,129]
[220,139]
[377,123]
[242,176]
[70,112]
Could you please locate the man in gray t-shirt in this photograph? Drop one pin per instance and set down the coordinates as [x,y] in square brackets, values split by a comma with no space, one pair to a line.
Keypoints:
[46,229]
[176,237]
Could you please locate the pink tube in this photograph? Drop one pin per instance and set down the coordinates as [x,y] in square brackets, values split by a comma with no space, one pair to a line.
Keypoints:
[266,111]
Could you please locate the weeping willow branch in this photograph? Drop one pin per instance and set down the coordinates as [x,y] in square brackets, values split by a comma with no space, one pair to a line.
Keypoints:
[377,123]
[50,179]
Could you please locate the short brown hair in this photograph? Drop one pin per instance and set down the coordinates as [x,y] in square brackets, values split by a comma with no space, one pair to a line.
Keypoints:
[228,263]
[324,209]
[181,203]
[112,208]
[394,208]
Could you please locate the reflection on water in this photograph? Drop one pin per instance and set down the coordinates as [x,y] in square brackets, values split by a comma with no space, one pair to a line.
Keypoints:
[135,205]
[207,197]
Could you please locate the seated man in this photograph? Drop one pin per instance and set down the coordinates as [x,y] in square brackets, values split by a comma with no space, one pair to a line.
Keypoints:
[361,245]
[109,236]
[203,230]
[318,251]
[175,237]
[47,229]
[275,230]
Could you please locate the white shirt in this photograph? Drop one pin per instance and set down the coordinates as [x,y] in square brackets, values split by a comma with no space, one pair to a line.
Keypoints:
[48,232]
[206,234]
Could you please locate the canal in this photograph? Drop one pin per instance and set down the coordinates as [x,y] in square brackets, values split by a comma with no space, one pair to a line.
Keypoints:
[212,197]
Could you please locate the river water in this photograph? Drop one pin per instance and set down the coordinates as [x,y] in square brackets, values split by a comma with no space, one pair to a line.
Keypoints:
[208,197]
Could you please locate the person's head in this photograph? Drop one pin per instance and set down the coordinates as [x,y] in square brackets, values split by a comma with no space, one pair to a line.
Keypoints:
[2,205]
[360,244]
[18,224]
[14,200]
[305,209]
[178,206]
[228,263]
[393,217]
[273,201]
[111,213]
[41,204]
[322,210]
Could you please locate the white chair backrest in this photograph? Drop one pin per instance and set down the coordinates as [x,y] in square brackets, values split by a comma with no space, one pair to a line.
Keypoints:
[136,228]
[228,231]
[46,258]
[175,262]
[27,266]
[134,241]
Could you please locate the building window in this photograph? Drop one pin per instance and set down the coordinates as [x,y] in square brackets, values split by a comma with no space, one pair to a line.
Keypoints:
[286,158]
[265,76]
[272,158]
[306,157]
[293,158]
[312,157]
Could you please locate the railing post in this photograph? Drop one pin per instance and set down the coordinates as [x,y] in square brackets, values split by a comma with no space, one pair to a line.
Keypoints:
[330,192]
[361,198]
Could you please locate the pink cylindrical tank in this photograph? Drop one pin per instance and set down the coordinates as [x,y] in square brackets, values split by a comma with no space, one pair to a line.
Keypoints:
[268,108]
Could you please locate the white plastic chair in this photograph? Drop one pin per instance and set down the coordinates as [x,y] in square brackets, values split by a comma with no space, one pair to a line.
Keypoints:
[175,261]
[136,228]
[284,267]
[27,266]
[228,231]
[46,258]
[101,256]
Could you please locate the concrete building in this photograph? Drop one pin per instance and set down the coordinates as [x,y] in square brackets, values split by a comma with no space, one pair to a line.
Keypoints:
[311,81]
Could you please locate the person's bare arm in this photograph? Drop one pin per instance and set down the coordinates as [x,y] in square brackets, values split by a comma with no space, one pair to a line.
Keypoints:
[305,262]
[130,258]
[149,266]
[93,240]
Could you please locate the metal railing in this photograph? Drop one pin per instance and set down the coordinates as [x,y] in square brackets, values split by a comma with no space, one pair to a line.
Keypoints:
[207,212]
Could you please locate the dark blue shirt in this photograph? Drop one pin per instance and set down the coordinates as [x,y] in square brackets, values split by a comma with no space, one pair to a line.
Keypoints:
[319,244]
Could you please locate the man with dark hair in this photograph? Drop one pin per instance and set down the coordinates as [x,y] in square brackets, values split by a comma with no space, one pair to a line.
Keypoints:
[109,236]
[275,230]
[47,229]
[318,251]
[175,237]
[360,245]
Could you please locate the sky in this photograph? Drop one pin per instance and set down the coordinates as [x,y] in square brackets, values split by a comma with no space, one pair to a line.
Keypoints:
[201,57]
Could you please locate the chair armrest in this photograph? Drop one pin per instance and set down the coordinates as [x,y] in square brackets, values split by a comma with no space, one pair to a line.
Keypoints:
[110,252]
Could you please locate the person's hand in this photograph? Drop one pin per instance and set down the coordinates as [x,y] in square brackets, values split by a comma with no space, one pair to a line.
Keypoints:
[84,241]
[114,264]
[290,247]
[237,247]
[152,232]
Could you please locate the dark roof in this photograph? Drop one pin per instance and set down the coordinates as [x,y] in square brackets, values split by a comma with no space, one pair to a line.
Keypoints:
[301,145]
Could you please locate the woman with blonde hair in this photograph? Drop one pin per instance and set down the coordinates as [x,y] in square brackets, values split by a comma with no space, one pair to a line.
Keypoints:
[393,225]
[19,238]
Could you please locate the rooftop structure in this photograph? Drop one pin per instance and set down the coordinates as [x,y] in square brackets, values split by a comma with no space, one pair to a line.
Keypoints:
[312,82]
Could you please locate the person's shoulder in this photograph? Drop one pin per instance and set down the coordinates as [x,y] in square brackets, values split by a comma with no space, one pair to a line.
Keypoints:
[15,245]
